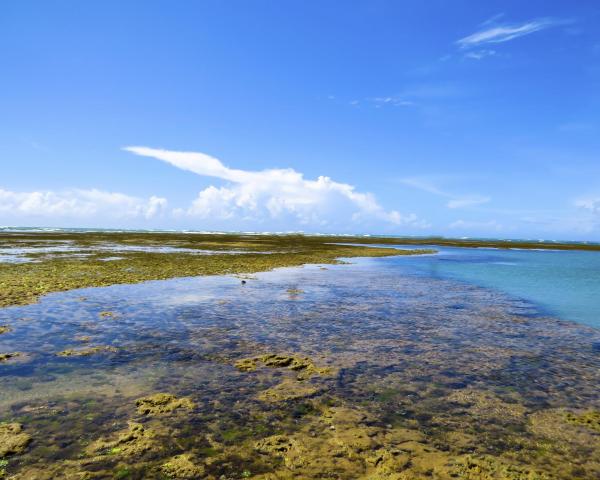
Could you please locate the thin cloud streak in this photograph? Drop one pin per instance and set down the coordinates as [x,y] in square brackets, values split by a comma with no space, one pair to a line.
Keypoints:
[454,201]
[505,33]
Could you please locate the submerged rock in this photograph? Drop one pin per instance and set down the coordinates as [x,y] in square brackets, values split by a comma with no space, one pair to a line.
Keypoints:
[182,467]
[589,419]
[5,329]
[162,403]
[7,356]
[84,352]
[486,467]
[133,441]
[288,390]
[304,366]
[12,439]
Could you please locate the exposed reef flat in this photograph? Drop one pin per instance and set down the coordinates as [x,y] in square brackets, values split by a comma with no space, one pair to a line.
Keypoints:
[153,256]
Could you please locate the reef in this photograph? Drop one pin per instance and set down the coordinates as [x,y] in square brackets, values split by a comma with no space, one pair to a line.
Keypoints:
[589,419]
[84,352]
[303,366]
[162,403]
[23,283]
[134,441]
[7,356]
[12,439]
[182,467]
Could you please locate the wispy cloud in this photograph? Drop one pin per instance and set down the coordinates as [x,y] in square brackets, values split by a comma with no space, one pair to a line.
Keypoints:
[591,204]
[277,194]
[486,226]
[453,200]
[78,203]
[504,33]
[480,54]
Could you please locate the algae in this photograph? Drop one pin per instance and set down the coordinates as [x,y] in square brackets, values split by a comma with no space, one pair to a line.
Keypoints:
[589,419]
[162,403]
[13,440]
[84,352]
[303,366]
[182,467]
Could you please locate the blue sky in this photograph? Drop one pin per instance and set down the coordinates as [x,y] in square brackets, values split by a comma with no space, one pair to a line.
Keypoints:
[460,118]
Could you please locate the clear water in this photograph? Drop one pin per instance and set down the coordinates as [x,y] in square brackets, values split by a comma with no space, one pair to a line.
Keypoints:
[562,283]
[414,351]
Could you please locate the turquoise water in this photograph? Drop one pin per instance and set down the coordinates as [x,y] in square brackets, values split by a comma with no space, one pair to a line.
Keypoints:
[562,283]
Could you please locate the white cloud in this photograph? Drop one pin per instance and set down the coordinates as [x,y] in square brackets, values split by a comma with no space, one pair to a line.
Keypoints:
[504,33]
[591,204]
[480,54]
[470,201]
[277,194]
[78,203]
[454,201]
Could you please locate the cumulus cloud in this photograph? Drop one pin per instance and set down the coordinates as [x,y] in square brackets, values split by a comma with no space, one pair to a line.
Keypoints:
[78,203]
[276,194]
[504,33]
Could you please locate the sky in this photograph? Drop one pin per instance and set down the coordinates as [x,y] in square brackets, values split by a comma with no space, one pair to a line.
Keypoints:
[462,118]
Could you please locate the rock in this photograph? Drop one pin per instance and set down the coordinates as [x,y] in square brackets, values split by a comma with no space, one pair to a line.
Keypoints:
[162,403]
[182,467]
[288,390]
[84,352]
[304,366]
[12,439]
[6,356]
[5,329]
[134,441]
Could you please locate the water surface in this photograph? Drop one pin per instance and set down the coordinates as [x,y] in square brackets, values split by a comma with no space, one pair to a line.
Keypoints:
[435,376]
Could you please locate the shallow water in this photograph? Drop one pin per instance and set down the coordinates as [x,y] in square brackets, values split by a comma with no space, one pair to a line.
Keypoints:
[471,370]
[564,283]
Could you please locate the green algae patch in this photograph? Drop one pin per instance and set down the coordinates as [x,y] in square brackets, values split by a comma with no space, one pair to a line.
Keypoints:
[303,366]
[288,390]
[85,352]
[486,467]
[135,440]
[23,283]
[13,440]
[5,329]
[162,403]
[589,419]
[182,467]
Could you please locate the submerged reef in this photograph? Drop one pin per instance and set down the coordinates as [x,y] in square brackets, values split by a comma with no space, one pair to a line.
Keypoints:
[84,352]
[162,403]
[304,367]
[12,439]
[7,356]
